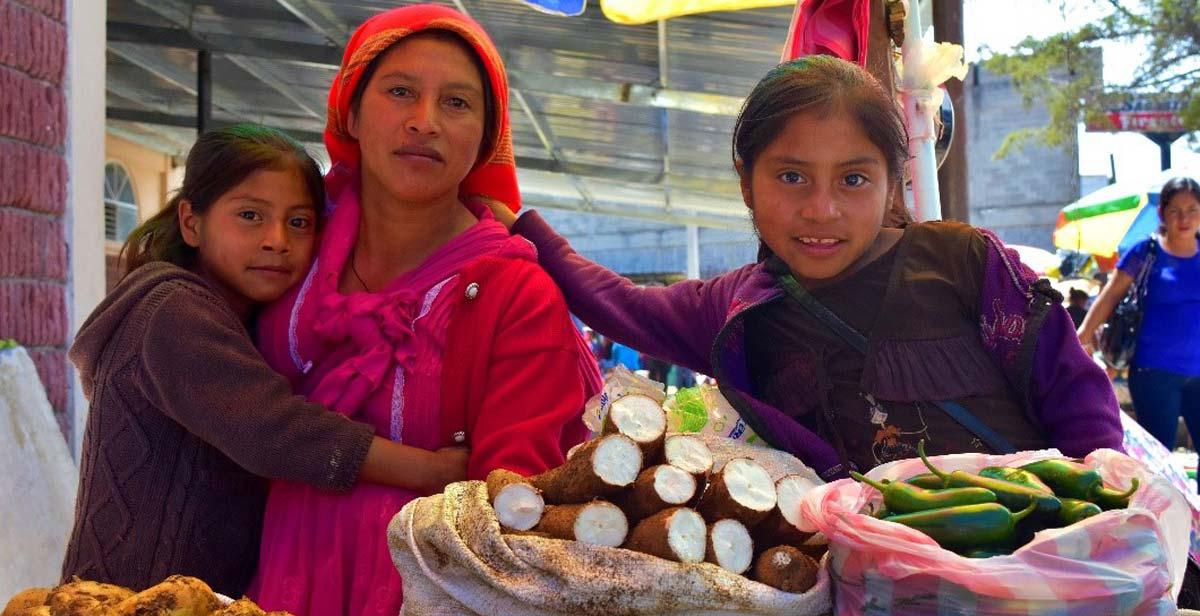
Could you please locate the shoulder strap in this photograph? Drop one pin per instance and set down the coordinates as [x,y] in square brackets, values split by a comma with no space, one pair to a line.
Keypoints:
[854,338]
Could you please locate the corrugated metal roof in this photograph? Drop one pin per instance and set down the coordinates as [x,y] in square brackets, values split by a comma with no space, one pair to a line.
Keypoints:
[598,106]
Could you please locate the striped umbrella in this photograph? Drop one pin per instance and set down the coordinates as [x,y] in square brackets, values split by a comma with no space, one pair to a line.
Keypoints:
[1111,220]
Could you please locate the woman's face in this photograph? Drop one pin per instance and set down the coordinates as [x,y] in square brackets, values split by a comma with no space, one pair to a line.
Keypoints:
[420,121]
[1181,216]
[818,193]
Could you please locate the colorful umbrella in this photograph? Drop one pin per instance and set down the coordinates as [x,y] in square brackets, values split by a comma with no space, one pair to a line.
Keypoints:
[633,12]
[1111,220]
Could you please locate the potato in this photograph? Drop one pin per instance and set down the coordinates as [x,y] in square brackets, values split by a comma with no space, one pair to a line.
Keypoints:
[23,602]
[178,595]
[241,607]
[84,598]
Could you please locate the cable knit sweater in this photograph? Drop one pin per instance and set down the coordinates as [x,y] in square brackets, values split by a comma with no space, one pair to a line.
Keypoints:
[185,419]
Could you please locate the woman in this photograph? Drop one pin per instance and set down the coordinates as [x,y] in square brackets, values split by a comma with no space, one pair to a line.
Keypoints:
[1164,379]
[421,315]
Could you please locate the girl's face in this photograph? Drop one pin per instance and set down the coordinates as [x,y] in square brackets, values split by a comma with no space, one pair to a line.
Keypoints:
[817,194]
[1182,215]
[420,121]
[256,240]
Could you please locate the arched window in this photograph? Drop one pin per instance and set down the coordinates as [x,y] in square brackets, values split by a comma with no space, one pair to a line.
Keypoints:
[120,204]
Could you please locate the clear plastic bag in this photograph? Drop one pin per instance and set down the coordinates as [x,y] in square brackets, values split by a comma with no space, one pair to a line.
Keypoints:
[703,410]
[1127,561]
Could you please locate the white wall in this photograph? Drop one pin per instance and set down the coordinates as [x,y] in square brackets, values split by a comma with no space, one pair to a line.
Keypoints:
[85,169]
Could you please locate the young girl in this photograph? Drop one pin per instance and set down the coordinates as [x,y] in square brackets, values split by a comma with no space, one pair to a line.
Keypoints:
[937,331]
[185,416]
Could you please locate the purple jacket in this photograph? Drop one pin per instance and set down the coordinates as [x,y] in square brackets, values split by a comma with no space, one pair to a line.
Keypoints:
[698,324]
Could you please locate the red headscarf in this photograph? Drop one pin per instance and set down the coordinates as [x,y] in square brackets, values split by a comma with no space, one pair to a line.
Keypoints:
[495,175]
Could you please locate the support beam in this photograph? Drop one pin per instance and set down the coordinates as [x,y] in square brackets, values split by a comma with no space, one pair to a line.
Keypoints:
[693,251]
[204,103]
[255,68]
[952,176]
[319,17]
[529,81]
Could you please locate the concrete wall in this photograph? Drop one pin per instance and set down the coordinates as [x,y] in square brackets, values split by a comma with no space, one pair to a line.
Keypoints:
[649,249]
[1020,195]
[33,190]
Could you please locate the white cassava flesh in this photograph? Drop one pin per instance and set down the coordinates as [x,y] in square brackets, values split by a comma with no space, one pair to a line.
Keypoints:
[781,526]
[617,461]
[639,417]
[518,505]
[594,523]
[601,467]
[601,523]
[730,546]
[686,535]
[673,486]
[657,488]
[677,534]
[688,453]
[742,490]
[790,490]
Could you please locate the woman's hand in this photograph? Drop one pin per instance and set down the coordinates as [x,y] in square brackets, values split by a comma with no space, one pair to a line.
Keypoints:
[447,465]
[503,215]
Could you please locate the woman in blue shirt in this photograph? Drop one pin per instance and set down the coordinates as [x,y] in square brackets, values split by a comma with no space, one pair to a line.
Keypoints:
[1164,380]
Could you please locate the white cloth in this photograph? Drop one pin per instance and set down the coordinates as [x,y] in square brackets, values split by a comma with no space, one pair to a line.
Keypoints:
[37,483]
[454,561]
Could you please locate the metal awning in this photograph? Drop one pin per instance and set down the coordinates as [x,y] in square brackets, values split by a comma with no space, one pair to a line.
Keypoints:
[625,120]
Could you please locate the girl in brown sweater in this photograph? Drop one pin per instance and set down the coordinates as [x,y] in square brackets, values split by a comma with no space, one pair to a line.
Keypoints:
[185,418]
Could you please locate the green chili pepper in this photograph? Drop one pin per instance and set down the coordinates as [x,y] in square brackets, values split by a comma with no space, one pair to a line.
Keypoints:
[1018,476]
[901,497]
[1074,510]
[1071,479]
[928,481]
[985,553]
[1011,495]
[968,526]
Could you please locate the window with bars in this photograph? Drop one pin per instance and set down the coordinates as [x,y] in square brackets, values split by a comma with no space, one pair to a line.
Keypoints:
[120,204]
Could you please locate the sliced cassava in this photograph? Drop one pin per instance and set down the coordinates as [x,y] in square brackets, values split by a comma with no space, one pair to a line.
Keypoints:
[677,534]
[657,488]
[688,453]
[518,504]
[781,525]
[742,490]
[729,546]
[642,419]
[601,467]
[594,523]
[786,568]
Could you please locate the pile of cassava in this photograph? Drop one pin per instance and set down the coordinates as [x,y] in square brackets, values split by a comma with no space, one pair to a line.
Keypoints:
[178,595]
[636,488]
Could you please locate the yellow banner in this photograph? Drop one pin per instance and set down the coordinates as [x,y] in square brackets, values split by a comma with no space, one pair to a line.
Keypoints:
[634,12]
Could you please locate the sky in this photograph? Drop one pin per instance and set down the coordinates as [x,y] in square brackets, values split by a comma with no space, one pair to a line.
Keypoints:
[1001,24]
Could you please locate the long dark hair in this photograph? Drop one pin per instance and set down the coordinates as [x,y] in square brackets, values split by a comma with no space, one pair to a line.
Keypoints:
[218,161]
[823,85]
[1173,187]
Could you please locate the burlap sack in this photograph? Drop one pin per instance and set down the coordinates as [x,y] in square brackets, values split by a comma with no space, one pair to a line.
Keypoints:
[454,560]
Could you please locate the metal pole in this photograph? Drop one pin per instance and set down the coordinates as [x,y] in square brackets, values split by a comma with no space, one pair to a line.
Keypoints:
[693,251]
[923,165]
[203,90]
[1164,141]
[952,177]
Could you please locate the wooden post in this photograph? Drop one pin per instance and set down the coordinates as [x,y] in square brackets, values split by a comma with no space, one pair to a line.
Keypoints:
[881,65]
[952,176]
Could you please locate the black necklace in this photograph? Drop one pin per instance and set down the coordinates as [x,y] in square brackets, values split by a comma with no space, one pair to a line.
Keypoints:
[354,270]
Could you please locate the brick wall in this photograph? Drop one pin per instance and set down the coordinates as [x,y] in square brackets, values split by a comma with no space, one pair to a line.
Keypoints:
[33,183]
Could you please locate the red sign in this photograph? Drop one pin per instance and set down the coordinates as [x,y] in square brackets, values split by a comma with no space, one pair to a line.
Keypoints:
[1143,122]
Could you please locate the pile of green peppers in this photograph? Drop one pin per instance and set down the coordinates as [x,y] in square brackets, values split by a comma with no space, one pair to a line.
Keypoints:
[997,509]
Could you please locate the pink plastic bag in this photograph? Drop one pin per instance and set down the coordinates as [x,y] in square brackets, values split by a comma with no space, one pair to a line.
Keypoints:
[1119,562]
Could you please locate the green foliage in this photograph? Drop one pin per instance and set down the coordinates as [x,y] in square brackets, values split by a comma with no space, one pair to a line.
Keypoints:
[1064,71]
[8,343]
